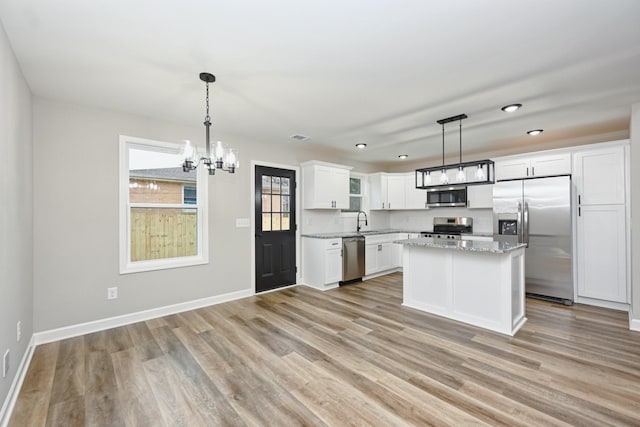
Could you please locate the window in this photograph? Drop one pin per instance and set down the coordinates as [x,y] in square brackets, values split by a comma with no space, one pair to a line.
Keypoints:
[276,197]
[163,220]
[355,194]
[189,195]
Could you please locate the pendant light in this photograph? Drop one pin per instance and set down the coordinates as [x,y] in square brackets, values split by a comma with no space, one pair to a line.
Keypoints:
[484,169]
[223,158]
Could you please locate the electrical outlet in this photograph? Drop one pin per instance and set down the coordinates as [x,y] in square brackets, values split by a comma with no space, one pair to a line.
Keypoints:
[112,293]
[5,364]
[18,330]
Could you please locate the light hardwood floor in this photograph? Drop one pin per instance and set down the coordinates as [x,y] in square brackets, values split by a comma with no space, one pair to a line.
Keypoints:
[350,356]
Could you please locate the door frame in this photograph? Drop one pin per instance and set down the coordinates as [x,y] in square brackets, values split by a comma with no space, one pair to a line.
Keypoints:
[296,169]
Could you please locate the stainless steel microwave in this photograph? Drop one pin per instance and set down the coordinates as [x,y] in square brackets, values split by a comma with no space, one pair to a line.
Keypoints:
[447,197]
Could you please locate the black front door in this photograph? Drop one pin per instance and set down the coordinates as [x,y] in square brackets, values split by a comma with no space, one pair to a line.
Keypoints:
[275,228]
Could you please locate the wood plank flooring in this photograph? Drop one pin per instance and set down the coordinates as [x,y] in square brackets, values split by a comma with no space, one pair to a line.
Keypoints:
[350,356]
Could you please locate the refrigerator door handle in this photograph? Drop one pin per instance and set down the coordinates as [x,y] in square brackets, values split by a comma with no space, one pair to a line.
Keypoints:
[525,217]
[519,225]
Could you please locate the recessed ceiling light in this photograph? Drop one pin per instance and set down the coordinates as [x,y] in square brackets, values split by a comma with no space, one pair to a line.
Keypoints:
[403,156]
[299,137]
[511,107]
[361,145]
[535,132]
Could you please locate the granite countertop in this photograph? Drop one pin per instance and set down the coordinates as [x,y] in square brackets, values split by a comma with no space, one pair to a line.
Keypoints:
[479,234]
[463,245]
[340,234]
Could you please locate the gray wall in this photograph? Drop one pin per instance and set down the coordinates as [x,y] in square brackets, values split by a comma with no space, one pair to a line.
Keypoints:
[76,216]
[16,209]
[635,213]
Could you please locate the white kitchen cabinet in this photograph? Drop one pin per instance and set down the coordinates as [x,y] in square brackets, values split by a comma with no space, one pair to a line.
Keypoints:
[322,262]
[415,198]
[533,166]
[600,198]
[602,253]
[325,185]
[480,196]
[387,191]
[599,176]
[381,254]
[395,191]
[378,191]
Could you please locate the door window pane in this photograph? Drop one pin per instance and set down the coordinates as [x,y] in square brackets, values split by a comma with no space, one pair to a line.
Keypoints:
[285,221]
[266,184]
[266,222]
[285,186]
[285,204]
[266,203]
[275,222]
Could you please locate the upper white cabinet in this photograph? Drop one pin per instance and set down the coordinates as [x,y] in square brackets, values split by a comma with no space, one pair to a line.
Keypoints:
[387,191]
[326,185]
[599,176]
[394,191]
[535,166]
[414,198]
[480,196]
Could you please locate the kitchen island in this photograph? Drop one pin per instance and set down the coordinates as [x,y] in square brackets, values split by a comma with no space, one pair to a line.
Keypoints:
[476,282]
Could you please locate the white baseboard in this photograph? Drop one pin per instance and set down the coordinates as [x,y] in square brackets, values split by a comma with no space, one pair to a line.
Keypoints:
[16,385]
[602,303]
[634,324]
[126,319]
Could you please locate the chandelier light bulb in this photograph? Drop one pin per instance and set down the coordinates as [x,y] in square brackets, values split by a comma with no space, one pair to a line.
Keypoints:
[444,179]
[187,150]
[479,173]
[427,179]
[461,176]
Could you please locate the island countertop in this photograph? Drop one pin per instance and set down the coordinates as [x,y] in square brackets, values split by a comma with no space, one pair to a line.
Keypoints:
[340,234]
[462,245]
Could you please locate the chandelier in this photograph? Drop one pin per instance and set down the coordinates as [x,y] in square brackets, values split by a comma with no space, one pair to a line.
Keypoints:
[468,173]
[222,158]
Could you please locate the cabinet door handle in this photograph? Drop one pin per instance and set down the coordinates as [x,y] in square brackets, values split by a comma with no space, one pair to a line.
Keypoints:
[533,171]
[382,205]
[527,171]
[579,212]
[379,248]
[578,199]
[389,205]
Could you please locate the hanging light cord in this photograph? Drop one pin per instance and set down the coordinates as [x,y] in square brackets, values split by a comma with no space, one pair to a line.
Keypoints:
[443,144]
[460,141]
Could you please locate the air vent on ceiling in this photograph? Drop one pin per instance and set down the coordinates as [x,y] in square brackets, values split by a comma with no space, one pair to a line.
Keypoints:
[299,137]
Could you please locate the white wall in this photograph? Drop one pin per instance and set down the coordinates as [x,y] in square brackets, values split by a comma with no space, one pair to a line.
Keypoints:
[16,210]
[76,216]
[635,216]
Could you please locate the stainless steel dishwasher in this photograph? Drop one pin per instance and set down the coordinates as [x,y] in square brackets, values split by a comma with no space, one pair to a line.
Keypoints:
[352,258]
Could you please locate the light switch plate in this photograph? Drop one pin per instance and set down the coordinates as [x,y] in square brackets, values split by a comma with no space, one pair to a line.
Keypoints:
[243,222]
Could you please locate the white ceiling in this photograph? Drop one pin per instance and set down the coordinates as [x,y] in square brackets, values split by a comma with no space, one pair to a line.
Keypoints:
[381,72]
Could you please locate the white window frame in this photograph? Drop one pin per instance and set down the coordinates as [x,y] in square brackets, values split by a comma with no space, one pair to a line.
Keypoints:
[126,265]
[364,182]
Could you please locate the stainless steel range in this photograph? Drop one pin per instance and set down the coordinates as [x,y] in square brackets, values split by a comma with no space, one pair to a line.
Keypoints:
[449,227]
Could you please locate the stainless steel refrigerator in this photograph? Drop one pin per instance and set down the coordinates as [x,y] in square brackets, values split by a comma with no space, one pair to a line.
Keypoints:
[538,212]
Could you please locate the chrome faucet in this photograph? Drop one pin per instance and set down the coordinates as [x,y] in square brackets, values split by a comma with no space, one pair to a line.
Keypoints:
[358,220]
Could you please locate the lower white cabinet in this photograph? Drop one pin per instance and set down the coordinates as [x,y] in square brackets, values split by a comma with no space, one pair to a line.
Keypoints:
[322,262]
[602,253]
[381,253]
